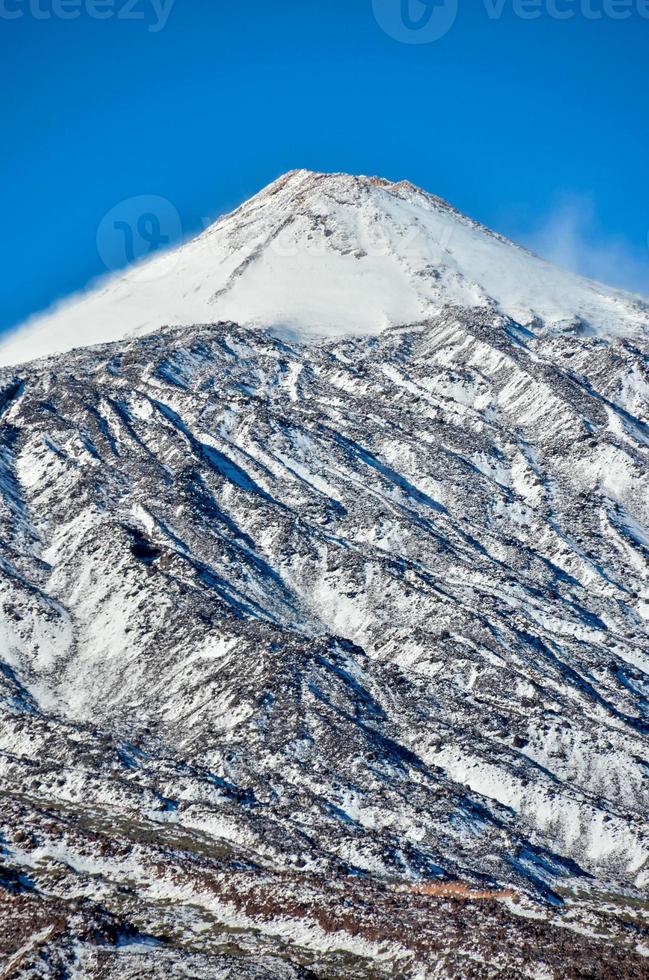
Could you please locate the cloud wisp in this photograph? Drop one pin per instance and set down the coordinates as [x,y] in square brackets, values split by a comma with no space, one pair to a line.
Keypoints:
[570,237]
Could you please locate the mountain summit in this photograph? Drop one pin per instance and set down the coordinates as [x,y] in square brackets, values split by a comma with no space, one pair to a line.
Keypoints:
[326,657]
[331,254]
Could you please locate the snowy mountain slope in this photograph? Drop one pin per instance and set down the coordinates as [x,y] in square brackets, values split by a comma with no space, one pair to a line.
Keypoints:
[331,254]
[294,634]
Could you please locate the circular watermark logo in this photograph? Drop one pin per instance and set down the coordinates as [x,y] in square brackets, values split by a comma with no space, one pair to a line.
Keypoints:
[415,21]
[134,230]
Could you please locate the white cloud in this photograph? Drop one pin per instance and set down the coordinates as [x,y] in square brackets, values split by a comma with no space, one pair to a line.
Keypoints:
[570,237]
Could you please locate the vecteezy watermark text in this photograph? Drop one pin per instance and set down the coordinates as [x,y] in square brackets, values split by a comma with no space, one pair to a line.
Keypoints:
[424,21]
[154,13]
[568,9]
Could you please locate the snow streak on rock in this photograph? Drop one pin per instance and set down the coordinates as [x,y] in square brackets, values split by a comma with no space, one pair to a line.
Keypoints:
[312,655]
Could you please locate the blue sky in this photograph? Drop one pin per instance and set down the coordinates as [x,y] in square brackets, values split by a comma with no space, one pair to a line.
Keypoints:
[535,124]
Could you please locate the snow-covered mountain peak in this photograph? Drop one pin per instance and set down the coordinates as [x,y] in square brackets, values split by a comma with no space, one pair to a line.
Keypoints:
[327,658]
[307,185]
[333,254]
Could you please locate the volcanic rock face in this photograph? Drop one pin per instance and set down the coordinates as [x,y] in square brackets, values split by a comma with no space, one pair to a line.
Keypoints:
[327,658]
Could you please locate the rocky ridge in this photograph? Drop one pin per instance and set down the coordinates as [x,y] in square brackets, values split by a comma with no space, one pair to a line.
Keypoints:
[306,646]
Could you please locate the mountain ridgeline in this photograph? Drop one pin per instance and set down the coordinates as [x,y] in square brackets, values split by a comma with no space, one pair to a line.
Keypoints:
[323,578]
